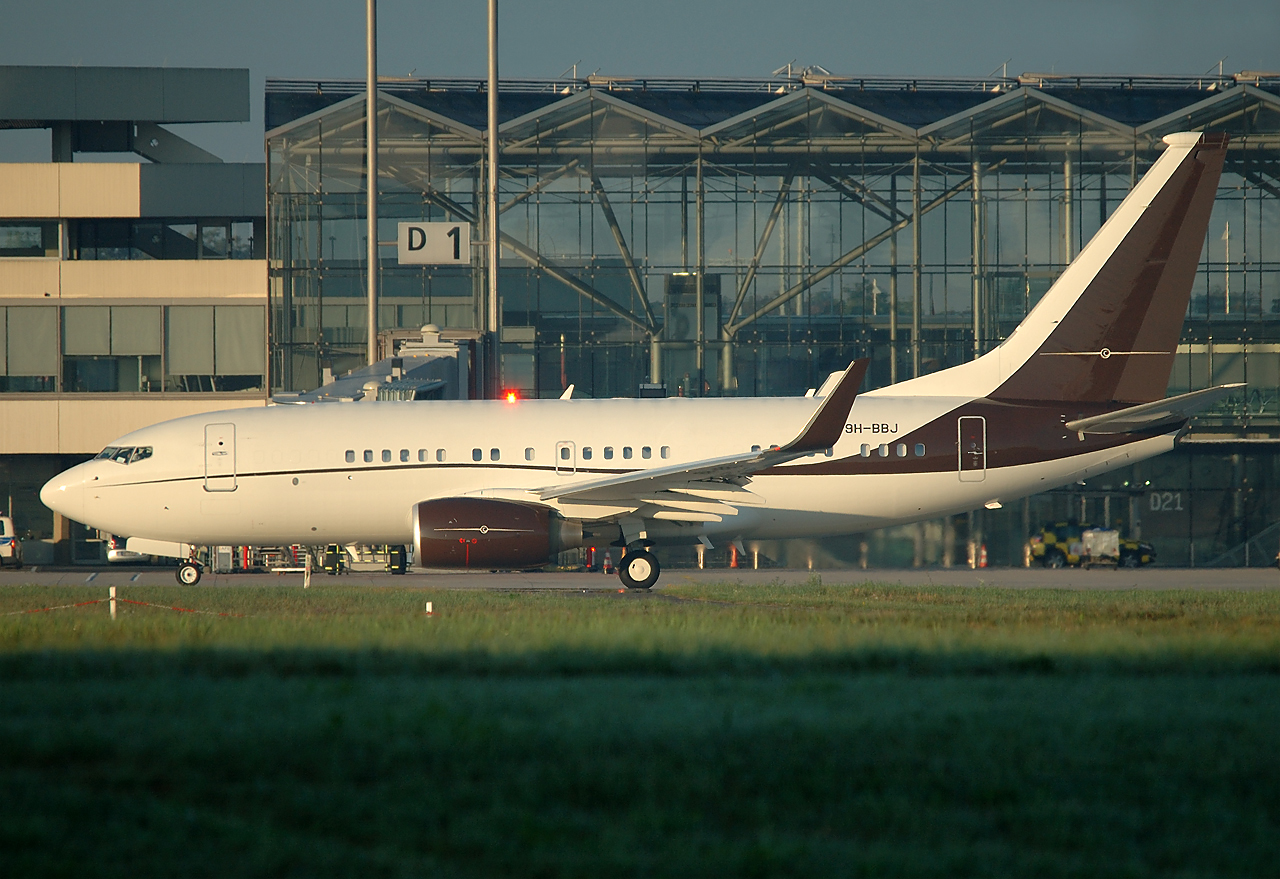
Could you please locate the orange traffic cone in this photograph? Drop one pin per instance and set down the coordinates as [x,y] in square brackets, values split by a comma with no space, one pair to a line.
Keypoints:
[607,567]
[982,556]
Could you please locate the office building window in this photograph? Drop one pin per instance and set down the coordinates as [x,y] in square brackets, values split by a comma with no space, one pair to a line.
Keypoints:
[215,348]
[234,238]
[28,238]
[29,349]
[112,348]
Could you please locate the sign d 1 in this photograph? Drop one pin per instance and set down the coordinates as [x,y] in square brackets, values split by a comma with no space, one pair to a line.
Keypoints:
[421,244]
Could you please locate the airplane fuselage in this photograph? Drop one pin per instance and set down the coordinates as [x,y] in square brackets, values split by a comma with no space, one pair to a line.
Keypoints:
[336,473]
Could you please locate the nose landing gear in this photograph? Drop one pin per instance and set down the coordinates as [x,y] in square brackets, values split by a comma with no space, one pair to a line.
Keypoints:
[639,569]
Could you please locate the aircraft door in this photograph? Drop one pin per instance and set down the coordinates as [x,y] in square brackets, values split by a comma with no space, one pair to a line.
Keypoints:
[566,458]
[973,448]
[219,457]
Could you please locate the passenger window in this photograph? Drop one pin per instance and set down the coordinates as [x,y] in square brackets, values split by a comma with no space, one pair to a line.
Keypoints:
[494,455]
[902,450]
[351,456]
[626,452]
[586,453]
[422,455]
[404,454]
[608,453]
[368,456]
[665,451]
[646,452]
[386,456]
[883,451]
[564,453]
[477,455]
[528,454]
[919,450]
[439,454]
[866,450]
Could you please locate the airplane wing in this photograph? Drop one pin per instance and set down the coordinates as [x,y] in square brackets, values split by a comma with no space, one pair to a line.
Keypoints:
[708,489]
[1169,411]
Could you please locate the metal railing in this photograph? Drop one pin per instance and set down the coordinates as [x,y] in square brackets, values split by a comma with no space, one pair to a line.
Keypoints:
[1258,551]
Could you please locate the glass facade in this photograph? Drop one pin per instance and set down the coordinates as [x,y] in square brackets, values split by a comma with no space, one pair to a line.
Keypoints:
[734,237]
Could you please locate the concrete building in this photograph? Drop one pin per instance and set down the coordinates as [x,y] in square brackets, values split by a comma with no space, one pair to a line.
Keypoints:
[131,291]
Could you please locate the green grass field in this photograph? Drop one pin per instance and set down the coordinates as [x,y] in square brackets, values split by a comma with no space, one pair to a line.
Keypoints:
[716,730]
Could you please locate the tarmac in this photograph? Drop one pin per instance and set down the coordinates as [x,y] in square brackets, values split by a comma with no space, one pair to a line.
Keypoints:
[1239,579]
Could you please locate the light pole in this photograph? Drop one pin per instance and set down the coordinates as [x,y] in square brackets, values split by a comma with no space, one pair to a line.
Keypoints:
[494,311]
[371,166]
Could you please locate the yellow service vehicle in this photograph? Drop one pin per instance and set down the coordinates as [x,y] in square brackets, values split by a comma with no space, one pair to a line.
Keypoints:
[1059,544]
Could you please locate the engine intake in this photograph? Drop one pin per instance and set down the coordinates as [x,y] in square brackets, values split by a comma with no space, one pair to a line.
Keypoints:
[473,532]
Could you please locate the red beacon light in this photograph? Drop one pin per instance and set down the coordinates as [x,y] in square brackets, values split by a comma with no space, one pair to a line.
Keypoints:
[510,396]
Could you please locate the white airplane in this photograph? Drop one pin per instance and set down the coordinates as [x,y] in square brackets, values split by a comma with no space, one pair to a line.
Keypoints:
[1077,389]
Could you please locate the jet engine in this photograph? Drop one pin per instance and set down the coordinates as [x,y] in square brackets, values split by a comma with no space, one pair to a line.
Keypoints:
[476,532]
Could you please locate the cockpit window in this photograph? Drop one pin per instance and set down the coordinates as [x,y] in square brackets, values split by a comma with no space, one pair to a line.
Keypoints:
[124,454]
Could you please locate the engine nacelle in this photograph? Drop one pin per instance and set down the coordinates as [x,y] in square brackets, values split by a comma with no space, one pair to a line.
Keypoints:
[477,532]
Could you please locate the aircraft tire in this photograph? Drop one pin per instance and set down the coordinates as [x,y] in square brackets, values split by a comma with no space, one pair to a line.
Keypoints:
[188,573]
[639,570]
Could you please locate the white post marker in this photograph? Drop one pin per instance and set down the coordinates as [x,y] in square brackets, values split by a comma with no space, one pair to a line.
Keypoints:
[112,592]
[306,571]
[429,611]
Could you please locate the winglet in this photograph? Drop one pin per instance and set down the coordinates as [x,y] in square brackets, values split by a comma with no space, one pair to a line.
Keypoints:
[826,425]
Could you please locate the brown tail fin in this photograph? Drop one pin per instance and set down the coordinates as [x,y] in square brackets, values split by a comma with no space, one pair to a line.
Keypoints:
[1117,341]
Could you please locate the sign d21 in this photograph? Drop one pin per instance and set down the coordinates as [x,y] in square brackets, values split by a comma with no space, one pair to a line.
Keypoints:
[419,244]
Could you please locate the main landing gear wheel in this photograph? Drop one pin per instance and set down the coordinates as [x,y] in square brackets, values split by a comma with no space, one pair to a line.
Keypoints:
[188,573]
[639,570]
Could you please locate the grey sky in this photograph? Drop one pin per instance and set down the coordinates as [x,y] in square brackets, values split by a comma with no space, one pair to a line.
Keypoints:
[286,38]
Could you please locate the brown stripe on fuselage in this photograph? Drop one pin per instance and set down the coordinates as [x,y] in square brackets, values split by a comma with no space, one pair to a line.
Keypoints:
[1017,432]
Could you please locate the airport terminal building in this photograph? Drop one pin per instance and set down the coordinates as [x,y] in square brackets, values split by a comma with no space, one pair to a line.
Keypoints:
[715,237]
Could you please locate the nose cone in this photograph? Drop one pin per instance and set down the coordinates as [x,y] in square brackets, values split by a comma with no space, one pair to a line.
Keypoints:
[64,493]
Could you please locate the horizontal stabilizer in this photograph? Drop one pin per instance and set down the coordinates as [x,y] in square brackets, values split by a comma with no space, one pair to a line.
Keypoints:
[1169,411]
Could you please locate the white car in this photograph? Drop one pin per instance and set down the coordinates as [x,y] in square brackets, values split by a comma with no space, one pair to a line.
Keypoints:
[117,551]
[10,546]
